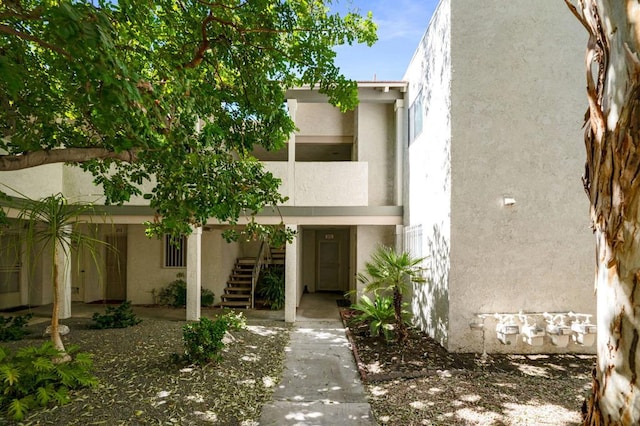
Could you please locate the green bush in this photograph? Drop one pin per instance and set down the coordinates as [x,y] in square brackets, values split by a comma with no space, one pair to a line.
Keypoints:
[30,378]
[14,328]
[379,314]
[271,287]
[121,316]
[203,339]
[175,294]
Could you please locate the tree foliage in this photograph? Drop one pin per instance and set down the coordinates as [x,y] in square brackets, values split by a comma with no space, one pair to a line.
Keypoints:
[177,91]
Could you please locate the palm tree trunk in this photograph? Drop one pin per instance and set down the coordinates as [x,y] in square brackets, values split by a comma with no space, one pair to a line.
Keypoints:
[401,328]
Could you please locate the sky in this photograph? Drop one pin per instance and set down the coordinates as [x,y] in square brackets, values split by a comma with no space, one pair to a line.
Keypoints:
[401,25]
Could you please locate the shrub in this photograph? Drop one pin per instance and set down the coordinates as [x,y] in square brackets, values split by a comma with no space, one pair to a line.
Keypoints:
[121,316]
[203,339]
[175,294]
[30,378]
[379,314]
[14,328]
[271,287]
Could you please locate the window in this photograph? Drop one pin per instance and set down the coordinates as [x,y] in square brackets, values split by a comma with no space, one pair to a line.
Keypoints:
[415,118]
[175,252]
[413,240]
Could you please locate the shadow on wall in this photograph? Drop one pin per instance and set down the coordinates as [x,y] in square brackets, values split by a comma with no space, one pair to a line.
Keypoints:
[430,302]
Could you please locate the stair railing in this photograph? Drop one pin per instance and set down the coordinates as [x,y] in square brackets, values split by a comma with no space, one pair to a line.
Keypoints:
[261,259]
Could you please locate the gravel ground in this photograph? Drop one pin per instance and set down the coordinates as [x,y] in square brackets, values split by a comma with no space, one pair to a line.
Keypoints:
[420,385]
[139,385]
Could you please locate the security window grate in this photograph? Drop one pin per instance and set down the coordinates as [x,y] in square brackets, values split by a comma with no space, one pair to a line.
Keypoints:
[175,252]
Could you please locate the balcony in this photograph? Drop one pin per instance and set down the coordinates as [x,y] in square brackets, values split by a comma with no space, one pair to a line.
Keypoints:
[338,183]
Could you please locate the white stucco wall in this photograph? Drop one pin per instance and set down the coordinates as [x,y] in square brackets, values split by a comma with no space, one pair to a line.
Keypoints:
[145,270]
[517,107]
[37,182]
[323,119]
[429,205]
[331,184]
[376,146]
[504,103]
[367,240]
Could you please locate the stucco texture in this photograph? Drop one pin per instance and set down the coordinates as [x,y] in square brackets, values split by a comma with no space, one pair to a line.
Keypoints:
[516,105]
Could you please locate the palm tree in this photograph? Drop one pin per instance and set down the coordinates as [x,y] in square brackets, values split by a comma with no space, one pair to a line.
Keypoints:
[392,271]
[51,224]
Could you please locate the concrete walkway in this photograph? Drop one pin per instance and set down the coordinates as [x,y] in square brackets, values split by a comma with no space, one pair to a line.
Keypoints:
[320,383]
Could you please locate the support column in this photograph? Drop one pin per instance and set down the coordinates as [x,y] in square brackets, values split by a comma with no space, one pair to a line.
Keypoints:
[400,149]
[63,261]
[194,273]
[292,107]
[291,278]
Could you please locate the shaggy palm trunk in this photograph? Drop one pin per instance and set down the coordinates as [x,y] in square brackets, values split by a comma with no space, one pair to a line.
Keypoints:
[612,180]
[401,328]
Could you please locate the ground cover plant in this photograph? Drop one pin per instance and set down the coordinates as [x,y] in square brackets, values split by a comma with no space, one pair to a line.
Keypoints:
[175,294]
[30,378]
[14,328]
[120,316]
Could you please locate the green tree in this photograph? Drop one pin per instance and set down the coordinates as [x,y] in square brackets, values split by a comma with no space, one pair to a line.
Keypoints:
[174,91]
[51,229]
[612,140]
[393,272]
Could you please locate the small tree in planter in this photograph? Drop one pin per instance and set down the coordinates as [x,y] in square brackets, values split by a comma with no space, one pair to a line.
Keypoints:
[393,272]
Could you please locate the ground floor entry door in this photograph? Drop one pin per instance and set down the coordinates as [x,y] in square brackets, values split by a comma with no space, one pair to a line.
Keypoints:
[332,266]
[116,276]
[10,267]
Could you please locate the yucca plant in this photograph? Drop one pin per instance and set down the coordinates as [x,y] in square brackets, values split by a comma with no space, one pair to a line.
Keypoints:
[51,223]
[389,271]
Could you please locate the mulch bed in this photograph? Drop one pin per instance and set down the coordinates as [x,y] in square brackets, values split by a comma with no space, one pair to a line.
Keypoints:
[422,356]
[421,383]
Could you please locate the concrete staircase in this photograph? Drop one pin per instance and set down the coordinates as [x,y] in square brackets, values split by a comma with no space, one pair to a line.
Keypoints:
[237,293]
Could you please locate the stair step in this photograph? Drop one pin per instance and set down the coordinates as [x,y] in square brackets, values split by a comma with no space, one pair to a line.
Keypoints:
[235,296]
[235,304]
[238,289]
[245,260]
